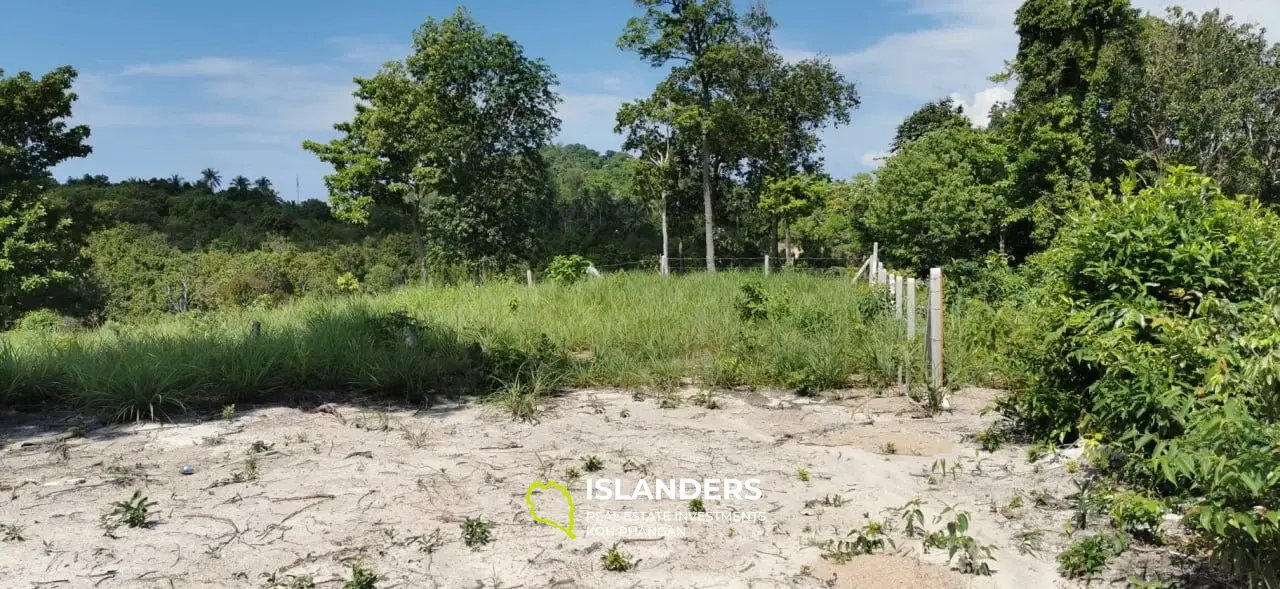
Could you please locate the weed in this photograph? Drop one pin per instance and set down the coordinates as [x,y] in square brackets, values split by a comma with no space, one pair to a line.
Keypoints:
[803,475]
[361,577]
[696,506]
[428,543]
[12,533]
[248,473]
[1138,514]
[1087,558]
[912,518]
[706,400]
[868,540]
[476,532]
[133,512]
[614,560]
[524,394]
[1073,466]
[572,474]
[258,447]
[1086,502]
[592,464]
[624,413]
[991,438]
[289,581]
[228,412]
[1029,542]
[418,439]
[973,556]
[889,448]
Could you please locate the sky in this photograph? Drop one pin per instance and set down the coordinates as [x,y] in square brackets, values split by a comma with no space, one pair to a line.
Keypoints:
[175,87]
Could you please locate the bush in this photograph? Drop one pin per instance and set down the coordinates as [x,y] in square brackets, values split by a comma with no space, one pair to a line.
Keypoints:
[1162,313]
[567,269]
[41,320]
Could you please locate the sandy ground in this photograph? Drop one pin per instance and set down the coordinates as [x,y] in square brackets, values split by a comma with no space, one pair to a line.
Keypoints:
[392,488]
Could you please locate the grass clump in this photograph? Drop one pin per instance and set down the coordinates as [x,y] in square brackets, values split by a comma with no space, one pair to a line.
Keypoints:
[614,560]
[362,577]
[134,512]
[476,532]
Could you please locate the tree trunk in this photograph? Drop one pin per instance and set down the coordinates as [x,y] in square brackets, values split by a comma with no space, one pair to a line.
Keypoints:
[707,209]
[786,228]
[666,239]
[418,246]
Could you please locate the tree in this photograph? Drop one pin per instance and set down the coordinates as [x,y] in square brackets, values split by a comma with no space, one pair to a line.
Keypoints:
[650,129]
[240,184]
[450,136]
[790,198]
[939,114]
[940,200]
[263,185]
[211,179]
[35,250]
[1218,110]
[1078,69]
[700,35]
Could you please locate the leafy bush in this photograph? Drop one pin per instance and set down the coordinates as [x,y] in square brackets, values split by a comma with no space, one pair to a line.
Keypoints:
[1163,320]
[755,304]
[348,283]
[41,320]
[1088,557]
[567,269]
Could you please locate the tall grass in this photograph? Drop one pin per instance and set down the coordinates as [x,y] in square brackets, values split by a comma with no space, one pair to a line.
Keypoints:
[621,330]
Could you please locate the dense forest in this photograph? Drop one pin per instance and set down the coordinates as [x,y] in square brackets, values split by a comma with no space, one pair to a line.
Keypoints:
[722,161]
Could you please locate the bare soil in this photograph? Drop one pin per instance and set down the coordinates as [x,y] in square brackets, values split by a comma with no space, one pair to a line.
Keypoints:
[318,490]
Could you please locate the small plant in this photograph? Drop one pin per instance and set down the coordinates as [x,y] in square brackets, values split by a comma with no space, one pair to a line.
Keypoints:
[889,448]
[476,532]
[706,400]
[12,533]
[571,474]
[133,512]
[418,439]
[615,561]
[228,412]
[348,283]
[1137,514]
[803,475]
[991,438]
[912,518]
[1073,466]
[248,473]
[696,506]
[1088,557]
[567,269]
[868,540]
[592,464]
[973,556]
[362,577]
[624,413]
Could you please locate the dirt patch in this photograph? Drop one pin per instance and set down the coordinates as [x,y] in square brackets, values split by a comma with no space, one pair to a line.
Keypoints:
[279,493]
[877,571]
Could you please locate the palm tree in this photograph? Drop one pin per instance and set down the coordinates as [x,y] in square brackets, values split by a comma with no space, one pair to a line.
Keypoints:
[240,184]
[176,181]
[211,178]
[263,185]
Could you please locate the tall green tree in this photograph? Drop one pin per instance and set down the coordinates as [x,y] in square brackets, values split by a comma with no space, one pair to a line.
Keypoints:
[701,37]
[790,198]
[649,125]
[939,114]
[939,201]
[35,250]
[451,136]
[1211,99]
[1074,120]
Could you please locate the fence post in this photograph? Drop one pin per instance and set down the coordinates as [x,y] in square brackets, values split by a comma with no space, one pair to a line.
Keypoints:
[528,274]
[766,264]
[875,262]
[911,309]
[897,297]
[935,327]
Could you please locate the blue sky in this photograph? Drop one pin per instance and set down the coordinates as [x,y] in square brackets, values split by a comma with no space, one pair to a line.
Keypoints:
[174,87]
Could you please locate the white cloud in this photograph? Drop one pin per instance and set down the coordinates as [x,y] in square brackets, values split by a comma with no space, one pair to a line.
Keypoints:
[873,159]
[978,106]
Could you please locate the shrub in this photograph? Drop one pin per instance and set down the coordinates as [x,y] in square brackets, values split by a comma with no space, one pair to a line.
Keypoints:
[41,320]
[348,283]
[1161,314]
[567,269]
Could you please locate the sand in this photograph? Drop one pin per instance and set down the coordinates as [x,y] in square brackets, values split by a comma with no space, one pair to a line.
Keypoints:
[392,489]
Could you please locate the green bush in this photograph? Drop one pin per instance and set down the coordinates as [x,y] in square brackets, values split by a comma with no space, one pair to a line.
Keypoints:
[567,269]
[41,320]
[1162,320]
